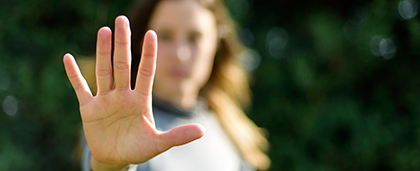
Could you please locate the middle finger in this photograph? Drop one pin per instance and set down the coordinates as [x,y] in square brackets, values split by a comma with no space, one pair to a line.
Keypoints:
[122,53]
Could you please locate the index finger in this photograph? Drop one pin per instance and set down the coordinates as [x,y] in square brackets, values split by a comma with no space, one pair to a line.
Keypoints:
[146,71]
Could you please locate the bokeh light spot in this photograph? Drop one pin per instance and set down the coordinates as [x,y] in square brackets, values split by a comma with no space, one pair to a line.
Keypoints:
[246,36]
[250,59]
[10,105]
[276,41]
[408,9]
[384,47]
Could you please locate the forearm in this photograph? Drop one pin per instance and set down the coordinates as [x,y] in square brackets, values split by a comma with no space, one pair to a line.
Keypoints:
[90,164]
[98,166]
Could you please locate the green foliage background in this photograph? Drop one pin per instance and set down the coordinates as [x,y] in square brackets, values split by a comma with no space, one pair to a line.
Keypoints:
[327,102]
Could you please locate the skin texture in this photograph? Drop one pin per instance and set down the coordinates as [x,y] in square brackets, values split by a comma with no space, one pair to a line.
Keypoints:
[118,122]
[187,45]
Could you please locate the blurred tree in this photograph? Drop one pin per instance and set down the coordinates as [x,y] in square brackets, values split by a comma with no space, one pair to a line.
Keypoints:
[335,82]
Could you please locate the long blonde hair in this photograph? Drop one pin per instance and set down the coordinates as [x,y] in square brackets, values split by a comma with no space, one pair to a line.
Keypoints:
[227,90]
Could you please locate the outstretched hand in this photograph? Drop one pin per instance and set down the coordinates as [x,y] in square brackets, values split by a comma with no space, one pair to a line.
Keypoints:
[118,122]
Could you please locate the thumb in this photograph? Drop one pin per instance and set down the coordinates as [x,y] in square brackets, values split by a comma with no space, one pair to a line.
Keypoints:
[180,135]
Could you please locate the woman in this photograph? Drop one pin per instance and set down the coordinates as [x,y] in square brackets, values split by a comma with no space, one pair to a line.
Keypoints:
[195,77]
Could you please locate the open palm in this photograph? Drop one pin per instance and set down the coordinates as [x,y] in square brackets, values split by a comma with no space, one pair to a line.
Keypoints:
[118,122]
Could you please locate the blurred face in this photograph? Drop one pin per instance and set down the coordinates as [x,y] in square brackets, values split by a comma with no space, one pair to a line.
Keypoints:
[187,37]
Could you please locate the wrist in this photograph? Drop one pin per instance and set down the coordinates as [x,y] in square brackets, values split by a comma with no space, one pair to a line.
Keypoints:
[99,166]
